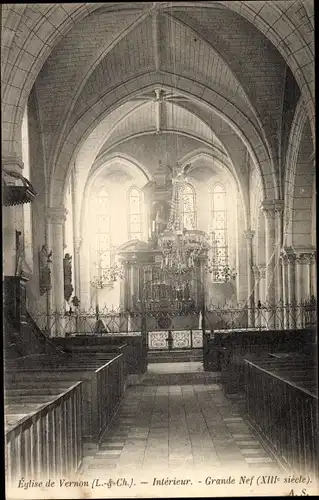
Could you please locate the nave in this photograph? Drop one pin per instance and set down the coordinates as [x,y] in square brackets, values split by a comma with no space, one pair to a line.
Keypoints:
[188,425]
[159,182]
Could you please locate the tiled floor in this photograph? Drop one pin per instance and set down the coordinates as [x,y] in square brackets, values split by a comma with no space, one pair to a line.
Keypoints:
[178,427]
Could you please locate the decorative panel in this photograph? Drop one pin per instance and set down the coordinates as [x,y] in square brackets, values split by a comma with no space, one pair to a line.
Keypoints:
[197,338]
[157,340]
[182,339]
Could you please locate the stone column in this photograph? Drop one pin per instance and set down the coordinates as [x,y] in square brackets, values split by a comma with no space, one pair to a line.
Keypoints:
[77,266]
[249,234]
[304,258]
[284,266]
[56,218]
[256,274]
[134,278]
[313,274]
[269,212]
[290,257]
[262,321]
[279,209]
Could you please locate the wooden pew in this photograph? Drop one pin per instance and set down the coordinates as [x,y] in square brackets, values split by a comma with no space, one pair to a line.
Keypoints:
[102,389]
[43,432]
[233,346]
[135,350]
[281,402]
[94,351]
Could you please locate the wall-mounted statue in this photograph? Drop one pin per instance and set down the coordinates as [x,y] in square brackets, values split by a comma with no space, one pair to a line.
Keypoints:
[44,269]
[67,271]
[160,215]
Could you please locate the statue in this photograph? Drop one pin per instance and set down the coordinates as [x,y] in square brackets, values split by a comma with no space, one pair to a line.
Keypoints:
[44,269]
[67,271]
[160,217]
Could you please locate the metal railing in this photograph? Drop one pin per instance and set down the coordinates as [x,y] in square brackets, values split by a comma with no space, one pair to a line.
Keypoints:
[220,316]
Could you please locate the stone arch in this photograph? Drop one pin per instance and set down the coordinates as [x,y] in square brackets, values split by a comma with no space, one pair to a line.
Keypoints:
[242,126]
[300,189]
[268,18]
[202,153]
[294,144]
[97,168]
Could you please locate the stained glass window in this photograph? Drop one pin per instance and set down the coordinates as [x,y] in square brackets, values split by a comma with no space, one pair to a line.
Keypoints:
[189,212]
[104,243]
[218,233]
[135,215]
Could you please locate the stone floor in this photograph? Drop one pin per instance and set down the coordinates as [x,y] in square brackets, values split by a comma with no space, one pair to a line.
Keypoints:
[187,367]
[175,428]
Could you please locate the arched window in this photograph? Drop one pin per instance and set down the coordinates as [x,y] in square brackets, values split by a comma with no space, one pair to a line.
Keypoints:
[135,214]
[218,232]
[104,244]
[188,209]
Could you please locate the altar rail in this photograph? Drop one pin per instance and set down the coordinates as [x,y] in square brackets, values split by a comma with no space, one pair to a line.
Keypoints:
[217,316]
[48,442]
[282,400]
[102,390]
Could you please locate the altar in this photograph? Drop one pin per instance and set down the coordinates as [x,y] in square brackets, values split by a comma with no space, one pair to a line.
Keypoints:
[181,339]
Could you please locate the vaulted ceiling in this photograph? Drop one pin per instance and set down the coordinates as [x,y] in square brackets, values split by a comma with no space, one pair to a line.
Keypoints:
[215,71]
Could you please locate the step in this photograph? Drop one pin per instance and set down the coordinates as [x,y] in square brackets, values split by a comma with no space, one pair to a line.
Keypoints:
[174,356]
[180,378]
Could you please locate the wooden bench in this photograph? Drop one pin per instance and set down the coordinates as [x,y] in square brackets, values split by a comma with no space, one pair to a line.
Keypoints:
[43,432]
[102,389]
[135,348]
[233,346]
[281,401]
[93,350]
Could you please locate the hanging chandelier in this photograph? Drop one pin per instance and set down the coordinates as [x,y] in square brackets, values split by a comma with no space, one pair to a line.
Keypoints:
[180,247]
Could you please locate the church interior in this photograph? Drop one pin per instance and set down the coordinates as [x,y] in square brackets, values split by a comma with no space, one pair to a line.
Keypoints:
[159,244]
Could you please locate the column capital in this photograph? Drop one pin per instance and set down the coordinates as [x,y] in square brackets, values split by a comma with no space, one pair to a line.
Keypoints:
[288,254]
[271,208]
[256,272]
[279,206]
[56,215]
[262,271]
[249,234]
[305,256]
[268,209]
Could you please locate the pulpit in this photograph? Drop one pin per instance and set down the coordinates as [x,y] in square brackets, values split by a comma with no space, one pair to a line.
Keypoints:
[15,299]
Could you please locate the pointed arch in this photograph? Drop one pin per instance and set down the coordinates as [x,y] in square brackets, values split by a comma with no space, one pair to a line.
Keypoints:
[135,213]
[189,207]
[218,230]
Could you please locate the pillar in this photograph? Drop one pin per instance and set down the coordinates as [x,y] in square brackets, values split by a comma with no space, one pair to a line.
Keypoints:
[279,211]
[256,275]
[56,218]
[269,212]
[290,307]
[249,234]
[285,297]
[313,273]
[304,260]
[262,317]
[77,268]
